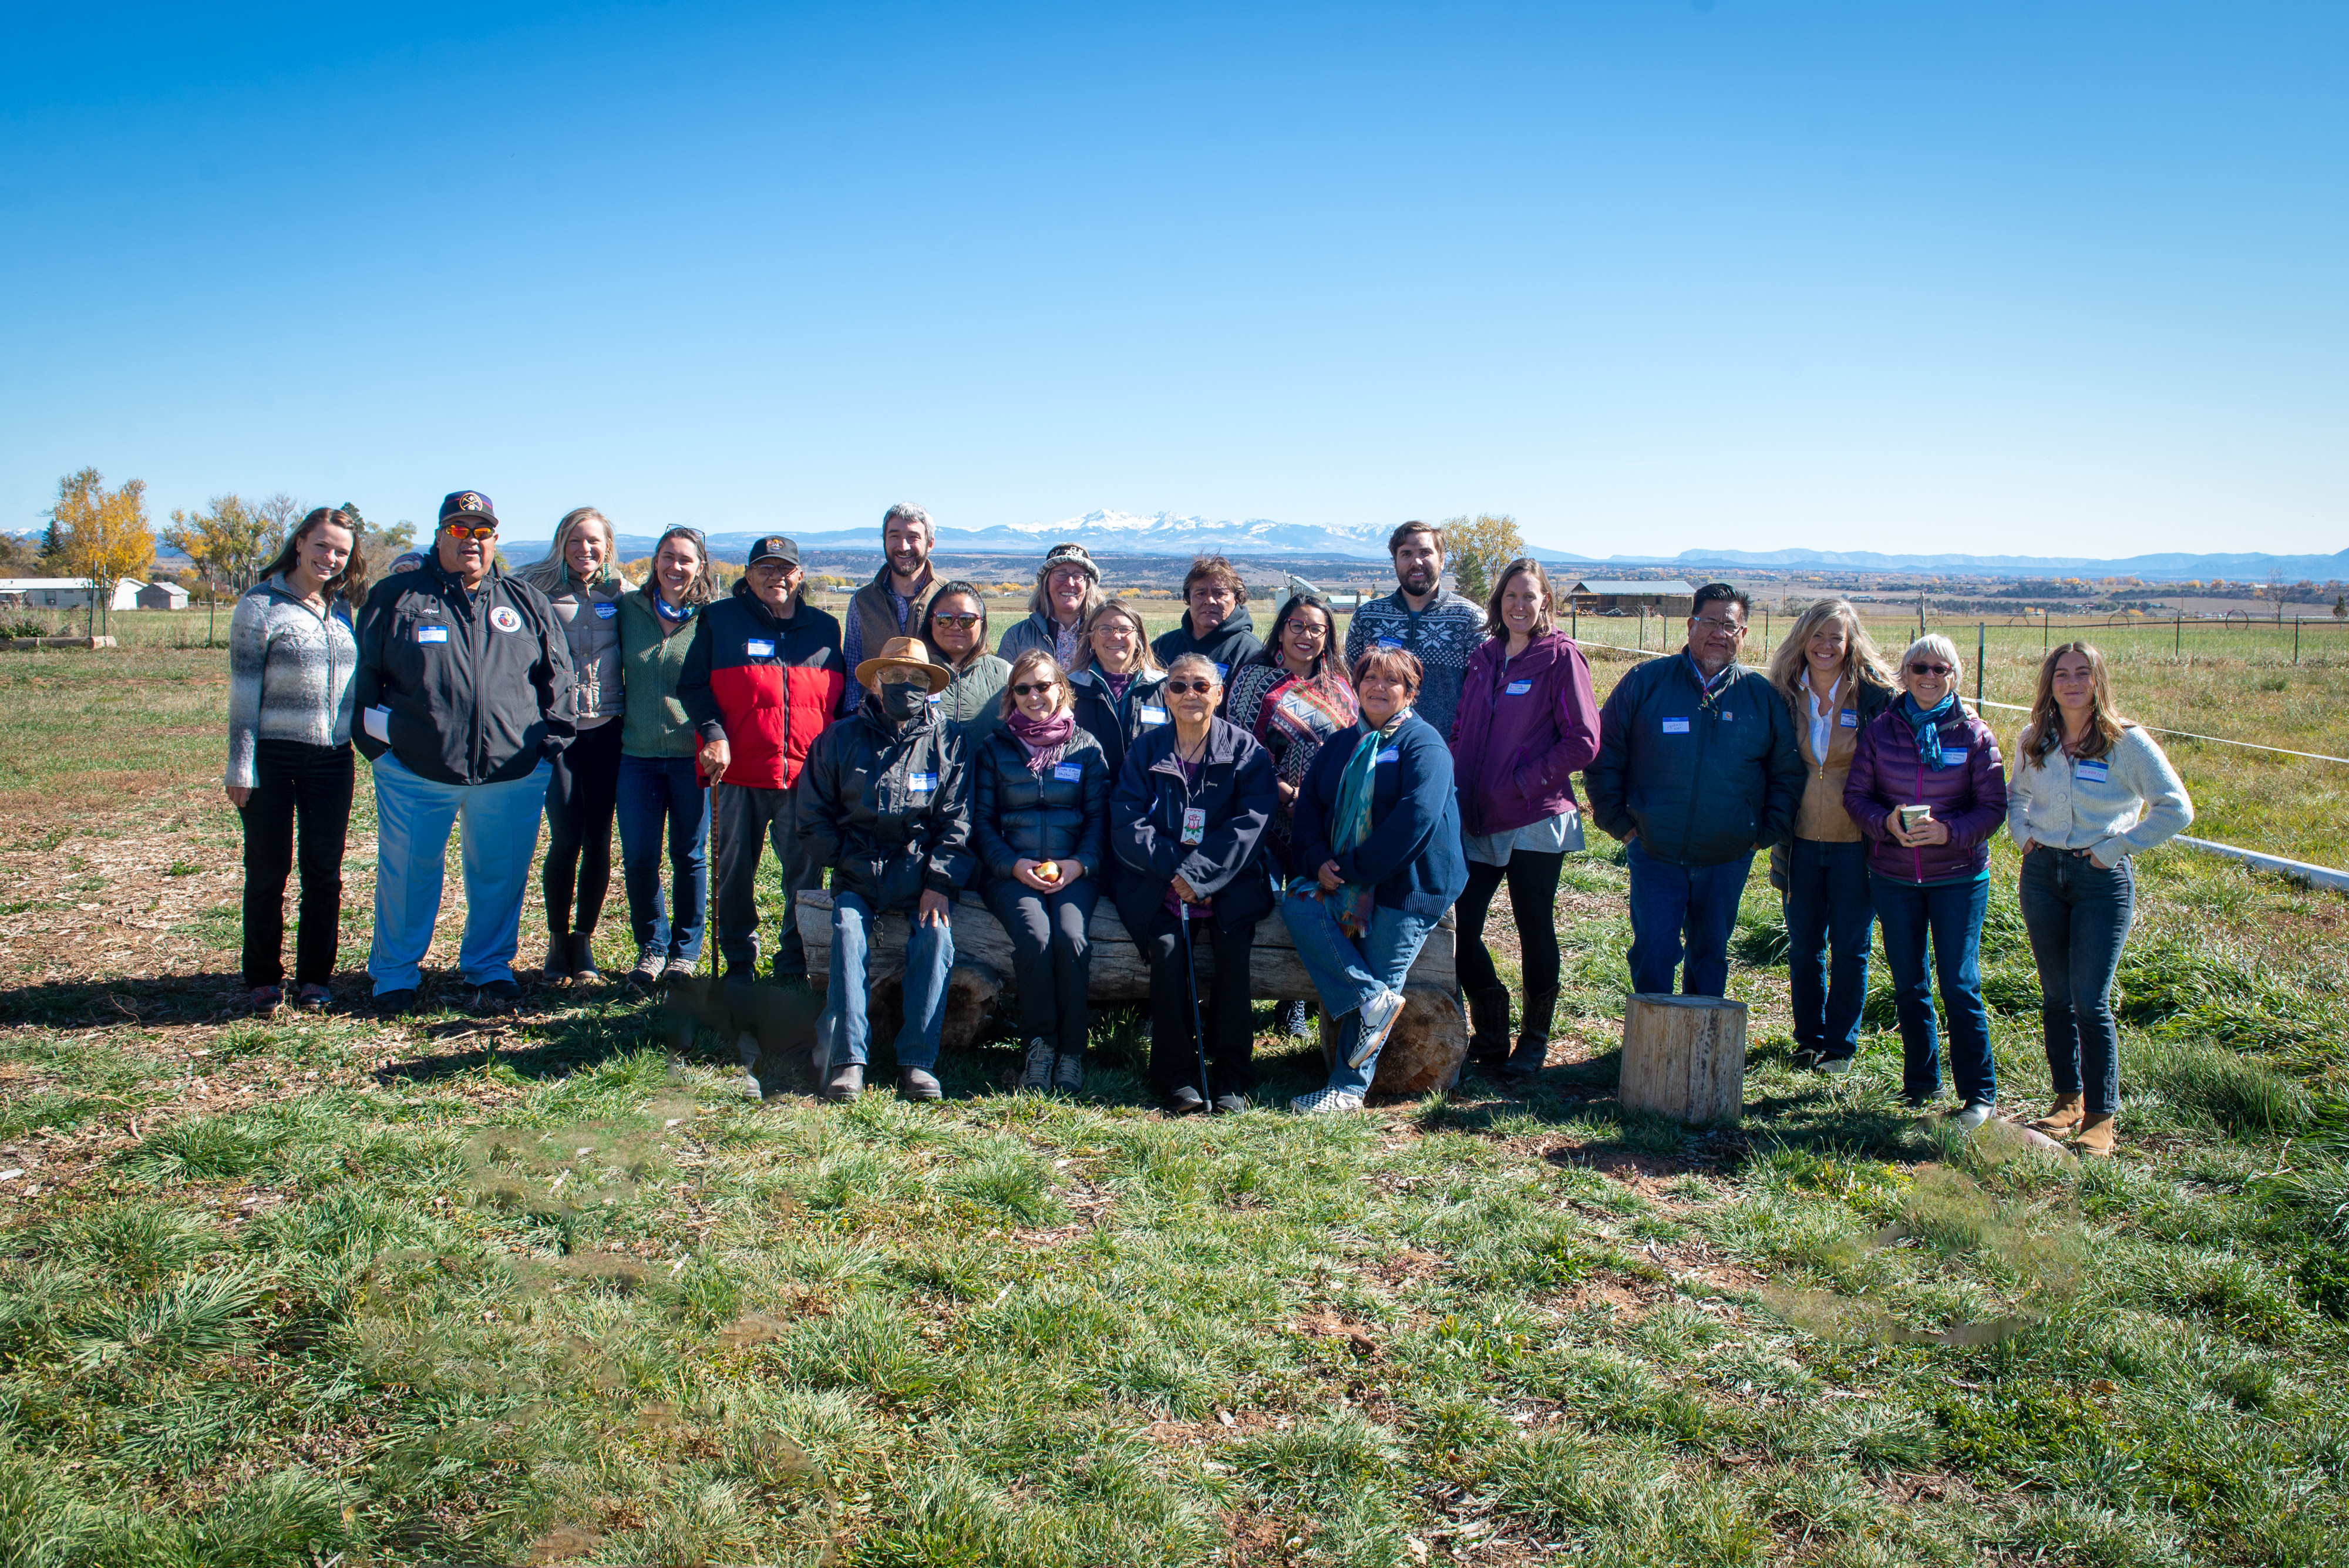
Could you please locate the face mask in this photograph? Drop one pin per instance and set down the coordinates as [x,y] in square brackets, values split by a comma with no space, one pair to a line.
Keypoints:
[901,699]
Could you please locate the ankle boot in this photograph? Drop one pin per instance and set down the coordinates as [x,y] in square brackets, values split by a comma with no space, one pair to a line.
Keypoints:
[558,958]
[2062,1118]
[1533,1041]
[1488,1026]
[2095,1138]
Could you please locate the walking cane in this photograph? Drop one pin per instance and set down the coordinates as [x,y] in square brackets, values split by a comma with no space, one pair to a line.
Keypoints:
[1198,1032]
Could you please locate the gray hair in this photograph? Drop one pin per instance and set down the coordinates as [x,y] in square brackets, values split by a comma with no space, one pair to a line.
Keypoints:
[1941,647]
[901,512]
[1201,659]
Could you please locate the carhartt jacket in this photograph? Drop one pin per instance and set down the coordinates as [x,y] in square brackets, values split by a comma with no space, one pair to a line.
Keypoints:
[887,807]
[769,687]
[1700,780]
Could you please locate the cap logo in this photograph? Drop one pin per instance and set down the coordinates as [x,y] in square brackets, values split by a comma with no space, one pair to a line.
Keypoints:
[469,501]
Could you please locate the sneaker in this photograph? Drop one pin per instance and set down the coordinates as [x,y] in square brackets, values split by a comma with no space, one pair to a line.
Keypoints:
[647,971]
[1185,1100]
[1378,1015]
[917,1084]
[395,1003]
[314,998]
[1290,1018]
[1037,1074]
[1230,1105]
[498,998]
[1916,1105]
[1973,1113]
[1806,1058]
[846,1082]
[678,971]
[1326,1103]
[1833,1066]
[1068,1074]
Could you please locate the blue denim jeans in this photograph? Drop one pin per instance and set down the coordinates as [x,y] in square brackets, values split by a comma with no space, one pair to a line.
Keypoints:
[1347,970]
[929,954]
[413,816]
[1828,914]
[654,792]
[2078,918]
[1670,904]
[1951,917]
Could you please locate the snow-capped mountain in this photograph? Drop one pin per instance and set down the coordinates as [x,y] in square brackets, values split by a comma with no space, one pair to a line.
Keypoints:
[1116,532]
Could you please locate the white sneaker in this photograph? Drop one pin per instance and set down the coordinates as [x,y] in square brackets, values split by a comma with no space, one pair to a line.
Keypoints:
[1378,1015]
[1038,1073]
[1326,1103]
[1973,1116]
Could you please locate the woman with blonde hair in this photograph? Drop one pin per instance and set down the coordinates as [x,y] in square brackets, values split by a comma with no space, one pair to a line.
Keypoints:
[2091,790]
[1040,787]
[581,579]
[1835,683]
[659,782]
[1118,695]
[1927,788]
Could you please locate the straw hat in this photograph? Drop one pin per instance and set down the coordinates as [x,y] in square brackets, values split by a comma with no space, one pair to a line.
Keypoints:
[904,653]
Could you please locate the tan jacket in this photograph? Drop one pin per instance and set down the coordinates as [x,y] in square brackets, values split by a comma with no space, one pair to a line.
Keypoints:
[1821,817]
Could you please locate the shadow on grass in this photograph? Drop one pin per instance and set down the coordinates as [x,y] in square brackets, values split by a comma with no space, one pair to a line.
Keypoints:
[205,997]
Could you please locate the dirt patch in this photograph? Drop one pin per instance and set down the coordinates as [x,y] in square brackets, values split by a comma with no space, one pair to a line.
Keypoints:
[1356,1335]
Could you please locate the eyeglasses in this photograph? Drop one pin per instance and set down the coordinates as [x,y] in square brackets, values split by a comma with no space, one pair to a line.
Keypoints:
[459,531]
[959,622]
[1298,629]
[1710,624]
[1181,687]
[1928,670]
[1026,687]
[1113,629]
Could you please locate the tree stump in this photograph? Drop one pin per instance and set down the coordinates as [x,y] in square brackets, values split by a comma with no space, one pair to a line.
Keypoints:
[1426,1050]
[971,991]
[1684,1056]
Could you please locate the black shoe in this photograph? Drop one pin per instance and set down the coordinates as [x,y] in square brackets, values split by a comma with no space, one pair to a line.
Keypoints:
[1533,1042]
[498,998]
[1806,1057]
[917,1084]
[745,972]
[1230,1105]
[1185,1100]
[395,1003]
[1488,1027]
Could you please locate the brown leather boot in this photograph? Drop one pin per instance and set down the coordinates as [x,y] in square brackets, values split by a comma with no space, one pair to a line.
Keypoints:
[2061,1119]
[2095,1138]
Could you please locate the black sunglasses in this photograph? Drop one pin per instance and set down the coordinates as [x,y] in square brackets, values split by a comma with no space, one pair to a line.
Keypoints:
[1180,686]
[1928,670]
[1025,687]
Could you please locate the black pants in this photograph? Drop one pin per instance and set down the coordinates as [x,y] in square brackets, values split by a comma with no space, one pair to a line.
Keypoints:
[739,818]
[1051,957]
[302,796]
[1231,1033]
[1533,889]
[580,798]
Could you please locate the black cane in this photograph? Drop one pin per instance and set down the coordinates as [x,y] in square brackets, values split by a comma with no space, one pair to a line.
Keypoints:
[1198,1032]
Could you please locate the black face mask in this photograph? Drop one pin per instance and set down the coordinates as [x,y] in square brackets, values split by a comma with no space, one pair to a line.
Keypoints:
[902,699]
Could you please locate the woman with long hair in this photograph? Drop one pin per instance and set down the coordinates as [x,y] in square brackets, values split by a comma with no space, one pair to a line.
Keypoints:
[1526,722]
[1835,683]
[1068,589]
[2091,791]
[292,656]
[1927,789]
[954,629]
[659,785]
[1118,695]
[581,579]
[1040,787]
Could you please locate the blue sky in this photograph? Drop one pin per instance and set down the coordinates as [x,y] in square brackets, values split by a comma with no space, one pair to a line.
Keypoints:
[2042,277]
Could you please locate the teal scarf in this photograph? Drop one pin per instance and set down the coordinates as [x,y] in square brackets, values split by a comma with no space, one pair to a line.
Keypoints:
[1925,724]
[1350,825]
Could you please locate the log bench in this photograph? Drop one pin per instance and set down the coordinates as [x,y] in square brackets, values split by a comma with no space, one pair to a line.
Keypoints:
[1426,1052]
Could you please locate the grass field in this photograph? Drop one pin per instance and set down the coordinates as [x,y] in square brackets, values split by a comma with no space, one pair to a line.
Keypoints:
[539,1290]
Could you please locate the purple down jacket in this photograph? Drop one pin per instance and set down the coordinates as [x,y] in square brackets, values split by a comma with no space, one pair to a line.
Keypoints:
[1524,728]
[1969,795]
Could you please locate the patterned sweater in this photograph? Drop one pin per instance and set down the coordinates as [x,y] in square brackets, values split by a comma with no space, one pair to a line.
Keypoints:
[289,675]
[1444,635]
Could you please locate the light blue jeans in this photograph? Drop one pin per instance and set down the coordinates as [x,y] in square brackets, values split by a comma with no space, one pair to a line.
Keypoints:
[413,816]
[929,954]
[1347,970]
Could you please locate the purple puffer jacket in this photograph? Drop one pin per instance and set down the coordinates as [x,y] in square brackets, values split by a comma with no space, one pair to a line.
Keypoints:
[1523,729]
[1970,796]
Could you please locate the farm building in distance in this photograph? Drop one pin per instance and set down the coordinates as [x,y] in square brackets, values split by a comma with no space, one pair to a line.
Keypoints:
[73,593]
[1603,596]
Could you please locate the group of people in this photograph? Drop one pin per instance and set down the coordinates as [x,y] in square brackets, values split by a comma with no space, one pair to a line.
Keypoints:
[1203,782]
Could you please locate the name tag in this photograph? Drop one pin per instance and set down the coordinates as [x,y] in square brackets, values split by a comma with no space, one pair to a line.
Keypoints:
[1390,642]
[1847,719]
[1953,755]
[1392,754]
[1222,670]
[432,634]
[1676,726]
[1517,688]
[1194,824]
[1068,773]
[1151,715]
[759,646]
[1726,715]
[605,611]
[936,697]
[921,781]
[2094,771]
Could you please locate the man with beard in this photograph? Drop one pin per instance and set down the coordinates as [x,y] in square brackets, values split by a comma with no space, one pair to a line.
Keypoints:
[1216,627]
[893,603]
[1424,618]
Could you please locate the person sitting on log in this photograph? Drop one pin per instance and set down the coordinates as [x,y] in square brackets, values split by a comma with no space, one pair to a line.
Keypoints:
[1187,825]
[887,806]
[1378,861]
[1040,821]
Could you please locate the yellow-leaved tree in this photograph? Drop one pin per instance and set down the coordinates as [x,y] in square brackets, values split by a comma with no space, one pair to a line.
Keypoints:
[102,533]
[1477,547]
[230,543]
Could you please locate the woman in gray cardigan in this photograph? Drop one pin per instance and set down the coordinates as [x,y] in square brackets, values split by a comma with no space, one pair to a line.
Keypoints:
[291,659]
[2090,791]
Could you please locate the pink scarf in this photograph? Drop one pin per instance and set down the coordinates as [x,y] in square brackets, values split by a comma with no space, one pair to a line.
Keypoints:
[1043,739]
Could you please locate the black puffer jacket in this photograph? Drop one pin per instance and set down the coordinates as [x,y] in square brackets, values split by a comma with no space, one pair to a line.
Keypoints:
[1016,816]
[887,807]
[1117,725]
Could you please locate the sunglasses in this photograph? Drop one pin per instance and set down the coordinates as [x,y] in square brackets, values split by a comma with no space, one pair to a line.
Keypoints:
[1928,670]
[1179,687]
[459,531]
[960,622]
[1026,687]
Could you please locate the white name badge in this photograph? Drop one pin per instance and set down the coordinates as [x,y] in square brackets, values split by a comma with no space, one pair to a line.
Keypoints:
[605,611]
[1194,824]
[1390,642]
[1517,688]
[1847,719]
[1068,773]
[919,782]
[2096,771]
[1392,754]
[1676,726]
[432,634]
[1954,756]
[1151,715]
[759,646]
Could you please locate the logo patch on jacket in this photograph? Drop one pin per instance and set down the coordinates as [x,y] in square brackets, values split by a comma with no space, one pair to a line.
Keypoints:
[504,618]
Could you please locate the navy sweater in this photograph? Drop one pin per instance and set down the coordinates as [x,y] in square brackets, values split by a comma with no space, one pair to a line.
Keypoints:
[1412,857]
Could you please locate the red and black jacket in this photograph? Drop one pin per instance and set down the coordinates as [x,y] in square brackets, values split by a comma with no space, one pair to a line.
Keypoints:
[768,686]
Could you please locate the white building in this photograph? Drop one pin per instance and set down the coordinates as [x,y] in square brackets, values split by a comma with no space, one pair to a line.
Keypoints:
[73,593]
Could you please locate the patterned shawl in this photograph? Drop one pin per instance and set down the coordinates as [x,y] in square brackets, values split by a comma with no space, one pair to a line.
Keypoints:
[1294,719]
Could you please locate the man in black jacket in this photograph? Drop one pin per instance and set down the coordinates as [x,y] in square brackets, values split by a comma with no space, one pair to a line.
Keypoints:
[1696,769]
[1217,626]
[462,697]
[885,803]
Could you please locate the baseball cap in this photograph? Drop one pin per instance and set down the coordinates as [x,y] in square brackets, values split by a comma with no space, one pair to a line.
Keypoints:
[775,548]
[467,503]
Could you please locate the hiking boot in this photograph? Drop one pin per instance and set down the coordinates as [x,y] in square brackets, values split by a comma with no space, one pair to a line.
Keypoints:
[1036,1073]
[678,971]
[1970,1117]
[498,998]
[2095,1137]
[1326,1103]
[1488,1034]
[647,971]
[1533,1041]
[846,1082]
[917,1084]
[1068,1073]
[1185,1100]
[1230,1105]
[2062,1117]
[1377,1016]
[395,1003]
[556,970]
[583,959]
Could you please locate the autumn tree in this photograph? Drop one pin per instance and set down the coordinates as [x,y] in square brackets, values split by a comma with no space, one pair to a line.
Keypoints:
[230,545]
[1477,547]
[102,533]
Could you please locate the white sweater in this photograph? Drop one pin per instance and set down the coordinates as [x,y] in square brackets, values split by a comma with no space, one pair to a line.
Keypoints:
[289,675]
[2117,804]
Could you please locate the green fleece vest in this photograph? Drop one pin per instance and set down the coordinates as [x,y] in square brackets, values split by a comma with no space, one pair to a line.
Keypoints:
[652,656]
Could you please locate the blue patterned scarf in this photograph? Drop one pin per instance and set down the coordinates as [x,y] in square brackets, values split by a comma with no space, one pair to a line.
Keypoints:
[1925,723]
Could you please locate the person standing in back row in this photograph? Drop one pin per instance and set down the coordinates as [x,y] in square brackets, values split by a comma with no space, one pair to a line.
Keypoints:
[1697,768]
[1439,628]
[661,777]
[461,703]
[893,603]
[1068,590]
[1216,627]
